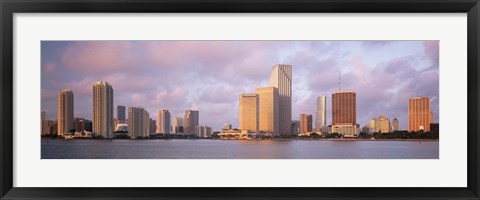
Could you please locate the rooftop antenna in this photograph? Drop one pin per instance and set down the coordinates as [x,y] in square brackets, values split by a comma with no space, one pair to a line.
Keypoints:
[339,80]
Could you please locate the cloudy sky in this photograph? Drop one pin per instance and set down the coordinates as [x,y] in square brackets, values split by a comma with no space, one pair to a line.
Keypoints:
[209,75]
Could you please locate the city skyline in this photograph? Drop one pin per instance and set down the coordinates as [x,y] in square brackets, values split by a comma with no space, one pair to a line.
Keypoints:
[210,83]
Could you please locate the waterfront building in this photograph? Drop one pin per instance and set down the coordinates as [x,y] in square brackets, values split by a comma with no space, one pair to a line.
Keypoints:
[226,134]
[102,109]
[65,112]
[381,124]
[281,78]
[268,110]
[121,113]
[321,114]
[419,115]
[163,121]
[153,126]
[123,128]
[190,121]
[295,127]
[395,124]
[344,116]
[247,112]
[203,131]
[177,125]
[138,122]
[305,123]
[434,127]
[82,124]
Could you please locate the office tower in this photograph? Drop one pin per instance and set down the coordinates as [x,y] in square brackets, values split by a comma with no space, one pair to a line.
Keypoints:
[381,124]
[321,114]
[44,123]
[102,109]
[295,127]
[138,122]
[190,121]
[177,125]
[344,117]
[395,124]
[121,113]
[81,124]
[419,116]
[65,111]
[248,112]
[305,123]
[268,106]
[203,131]
[228,126]
[281,78]
[163,121]
[153,126]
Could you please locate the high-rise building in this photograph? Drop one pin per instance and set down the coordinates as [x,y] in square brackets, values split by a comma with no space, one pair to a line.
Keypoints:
[121,113]
[163,121]
[102,109]
[381,124]
[305,123]
[295,127]
[177,125]
[81,124]
[395,124]
[344,116]
[45,126]
[190,121]
[138,122]
[153,126]
[419,115]
[228,126]
[321,114]
[248,112]
[268,106]
[281,78]
[65,111]
[203,131]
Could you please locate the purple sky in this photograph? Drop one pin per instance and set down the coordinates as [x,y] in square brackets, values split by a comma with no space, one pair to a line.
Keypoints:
[209,75]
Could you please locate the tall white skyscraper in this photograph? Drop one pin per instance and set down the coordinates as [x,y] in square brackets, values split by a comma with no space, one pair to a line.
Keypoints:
[163,121]
[321,115]
[138,122]
[102,109]
[281,78]
[65,112]
[190,121]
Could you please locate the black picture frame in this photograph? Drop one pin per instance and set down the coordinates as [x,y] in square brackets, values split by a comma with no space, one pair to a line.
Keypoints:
[10,7]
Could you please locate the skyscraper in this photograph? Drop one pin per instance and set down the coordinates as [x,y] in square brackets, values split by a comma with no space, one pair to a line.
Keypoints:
[163,121]
[102,109]
[203,131]
[153,126]
[177,125]
[268,106]
[281,78]
[138,122]
[248,112]
[321,114]
[381,124]
[395,124]
[419,117]
[190,121]
[121,113]
[65,112]
[305,123]
[344,113]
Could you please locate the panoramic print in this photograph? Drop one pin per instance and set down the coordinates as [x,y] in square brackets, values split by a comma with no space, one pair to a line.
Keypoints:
[239,99]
